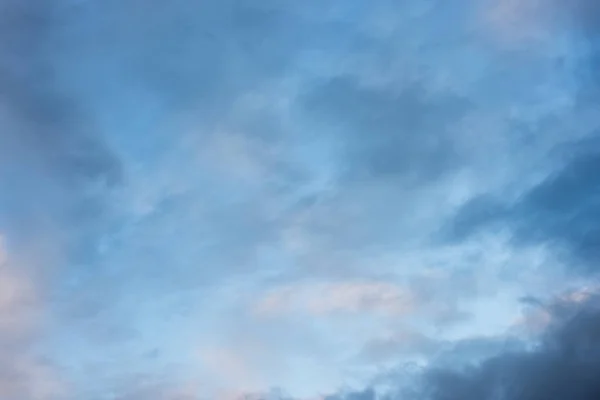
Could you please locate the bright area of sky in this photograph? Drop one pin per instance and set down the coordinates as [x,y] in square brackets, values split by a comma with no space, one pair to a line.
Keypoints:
[211,199]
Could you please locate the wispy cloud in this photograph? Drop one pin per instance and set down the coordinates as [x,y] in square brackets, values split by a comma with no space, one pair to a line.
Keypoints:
[350,297]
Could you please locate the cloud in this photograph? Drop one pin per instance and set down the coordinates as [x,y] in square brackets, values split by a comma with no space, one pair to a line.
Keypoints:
[367,394]
[24,375]
[406,343]
[55,166]
[524,18]
[388,133]
[563,362]
[43,122]
[535,24]
[560,210]
[91,95]
[564,365]
[541,314]
[519,22]
[325,299]
[157,151]
[230,370]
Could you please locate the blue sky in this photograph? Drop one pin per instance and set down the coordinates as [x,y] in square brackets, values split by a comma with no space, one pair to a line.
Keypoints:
[267,199]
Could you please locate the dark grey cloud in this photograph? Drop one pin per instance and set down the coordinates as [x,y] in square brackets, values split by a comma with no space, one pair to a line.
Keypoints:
[565,365]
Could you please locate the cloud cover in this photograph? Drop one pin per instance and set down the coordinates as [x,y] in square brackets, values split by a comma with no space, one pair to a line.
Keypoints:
[379,173]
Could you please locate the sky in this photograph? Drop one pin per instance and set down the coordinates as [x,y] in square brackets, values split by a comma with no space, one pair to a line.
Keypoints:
[299,200]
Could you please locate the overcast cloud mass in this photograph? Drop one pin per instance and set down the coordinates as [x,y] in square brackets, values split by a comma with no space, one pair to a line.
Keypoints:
[299,200]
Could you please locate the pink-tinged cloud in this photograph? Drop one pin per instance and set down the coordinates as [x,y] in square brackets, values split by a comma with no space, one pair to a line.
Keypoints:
[323,299]
[542,314]
[516,23]
[229,370]
[22,374]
